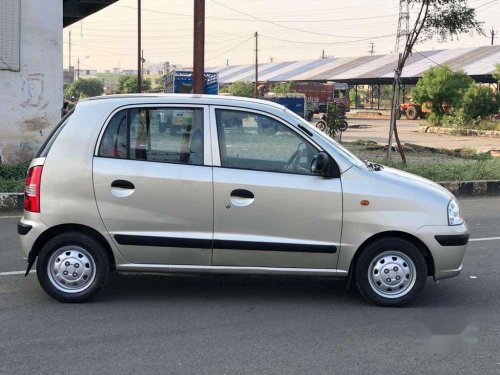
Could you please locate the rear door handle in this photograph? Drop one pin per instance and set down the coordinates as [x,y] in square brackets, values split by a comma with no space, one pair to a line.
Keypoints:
[242,193]
[123,184]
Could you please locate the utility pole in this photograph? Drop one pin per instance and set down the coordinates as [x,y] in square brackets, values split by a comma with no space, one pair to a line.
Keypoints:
[139,49]
[323,54]
[372,48]
[493,32]
[199,47]
[227,62]
[142,67]
[256,64]
[69,63]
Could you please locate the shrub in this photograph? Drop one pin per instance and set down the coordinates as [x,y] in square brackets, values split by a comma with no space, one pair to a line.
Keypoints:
[479,102]
[441,88]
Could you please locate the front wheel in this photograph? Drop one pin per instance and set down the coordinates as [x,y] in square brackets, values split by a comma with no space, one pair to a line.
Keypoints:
[391,272]
[72,267]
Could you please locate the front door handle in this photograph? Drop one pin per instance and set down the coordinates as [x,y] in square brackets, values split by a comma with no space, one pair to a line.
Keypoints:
[123,184]
[242,193]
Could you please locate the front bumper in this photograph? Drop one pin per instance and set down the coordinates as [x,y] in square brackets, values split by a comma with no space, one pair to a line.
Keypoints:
[447,245]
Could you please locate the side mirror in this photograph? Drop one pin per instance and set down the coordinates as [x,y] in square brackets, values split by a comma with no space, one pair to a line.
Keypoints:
[323,165]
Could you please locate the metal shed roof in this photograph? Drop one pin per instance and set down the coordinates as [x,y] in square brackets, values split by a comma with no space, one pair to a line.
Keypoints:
[75,10]
[477,62]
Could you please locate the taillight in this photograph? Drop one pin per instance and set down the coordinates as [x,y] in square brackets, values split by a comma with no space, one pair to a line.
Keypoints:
[32,189]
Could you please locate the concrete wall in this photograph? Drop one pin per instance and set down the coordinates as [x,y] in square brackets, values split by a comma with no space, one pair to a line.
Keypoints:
[31,99]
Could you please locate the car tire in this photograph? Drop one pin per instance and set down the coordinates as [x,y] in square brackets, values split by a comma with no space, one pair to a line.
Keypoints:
[390,272]
[72,267]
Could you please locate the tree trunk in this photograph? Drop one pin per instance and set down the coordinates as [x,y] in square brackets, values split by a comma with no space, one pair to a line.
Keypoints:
[393,126]
[400,147]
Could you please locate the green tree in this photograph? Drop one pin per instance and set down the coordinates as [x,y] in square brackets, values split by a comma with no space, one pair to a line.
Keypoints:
[283,88]
[480,101]
[241,88]
[441,88]
[496,73]
[128,85]
[444,19]
[84,88]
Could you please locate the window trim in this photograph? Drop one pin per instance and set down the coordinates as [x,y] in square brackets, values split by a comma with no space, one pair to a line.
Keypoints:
[207,153]
[215,137]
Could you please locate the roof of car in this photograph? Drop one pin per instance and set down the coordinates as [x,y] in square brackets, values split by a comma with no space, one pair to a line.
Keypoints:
[207,99]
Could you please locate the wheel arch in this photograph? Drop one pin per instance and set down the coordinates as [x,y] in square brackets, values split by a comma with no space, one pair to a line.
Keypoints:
[429,260]
[64,228]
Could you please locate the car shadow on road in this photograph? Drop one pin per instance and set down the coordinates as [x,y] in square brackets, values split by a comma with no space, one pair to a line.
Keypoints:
[253,289]
[187,288]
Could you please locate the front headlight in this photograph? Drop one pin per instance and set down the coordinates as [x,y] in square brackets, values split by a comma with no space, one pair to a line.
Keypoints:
[454,217]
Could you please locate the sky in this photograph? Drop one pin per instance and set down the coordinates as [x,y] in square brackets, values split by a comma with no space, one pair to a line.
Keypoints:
[288,30]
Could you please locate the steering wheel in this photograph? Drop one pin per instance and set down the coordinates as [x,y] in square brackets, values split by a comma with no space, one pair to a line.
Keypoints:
[292,165]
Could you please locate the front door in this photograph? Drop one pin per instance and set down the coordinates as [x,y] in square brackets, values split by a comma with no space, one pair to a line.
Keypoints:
[153,184]
[270,210]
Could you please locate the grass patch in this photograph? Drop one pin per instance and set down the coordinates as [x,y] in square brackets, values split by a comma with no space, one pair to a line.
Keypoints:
[466,170]
[463,164]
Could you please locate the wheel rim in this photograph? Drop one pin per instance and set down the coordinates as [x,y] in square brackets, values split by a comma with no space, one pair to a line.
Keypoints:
[392,274]
[71,269]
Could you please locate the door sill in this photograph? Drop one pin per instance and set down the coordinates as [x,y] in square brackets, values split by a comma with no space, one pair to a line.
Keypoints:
[168,268]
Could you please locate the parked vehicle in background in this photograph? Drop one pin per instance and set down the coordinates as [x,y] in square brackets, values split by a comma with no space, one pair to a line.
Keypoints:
[108,191]
[322,93]
[295,102]
[181,82]
[412,111]
[341,121]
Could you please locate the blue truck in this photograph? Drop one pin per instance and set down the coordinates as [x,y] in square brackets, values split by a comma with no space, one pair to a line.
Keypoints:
[293,101]
[181,82]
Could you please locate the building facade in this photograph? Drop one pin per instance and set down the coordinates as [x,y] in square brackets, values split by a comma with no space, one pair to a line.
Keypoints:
[31,87]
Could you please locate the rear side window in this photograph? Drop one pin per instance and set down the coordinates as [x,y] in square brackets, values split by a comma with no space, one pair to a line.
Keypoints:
[169,135]
[44,150]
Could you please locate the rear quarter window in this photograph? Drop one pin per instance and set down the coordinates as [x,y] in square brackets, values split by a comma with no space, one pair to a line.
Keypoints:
[44,150]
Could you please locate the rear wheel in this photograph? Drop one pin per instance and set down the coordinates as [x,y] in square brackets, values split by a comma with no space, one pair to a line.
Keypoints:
[390,272]
[343,125]
[321,125]
[412,112]
[72,267]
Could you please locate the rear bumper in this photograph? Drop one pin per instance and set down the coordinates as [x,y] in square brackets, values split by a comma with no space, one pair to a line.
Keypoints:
[29,228]
[447,245]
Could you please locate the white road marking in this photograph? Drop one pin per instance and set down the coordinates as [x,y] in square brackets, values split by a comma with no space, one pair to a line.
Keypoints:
[11,217]
[484,239]
[15,273]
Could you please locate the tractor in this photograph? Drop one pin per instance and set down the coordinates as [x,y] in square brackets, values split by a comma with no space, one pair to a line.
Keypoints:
[412,111]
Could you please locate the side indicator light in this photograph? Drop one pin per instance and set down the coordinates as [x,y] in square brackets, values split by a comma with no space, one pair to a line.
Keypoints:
[364,202]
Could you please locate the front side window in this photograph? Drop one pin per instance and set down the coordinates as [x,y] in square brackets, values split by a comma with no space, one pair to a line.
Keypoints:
[169,135]
[253,141]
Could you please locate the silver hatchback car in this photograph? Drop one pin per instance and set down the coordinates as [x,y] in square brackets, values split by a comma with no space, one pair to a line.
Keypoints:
[195,183]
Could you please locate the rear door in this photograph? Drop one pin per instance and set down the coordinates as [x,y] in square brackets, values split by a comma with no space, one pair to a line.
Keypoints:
[270,210]
[153,186]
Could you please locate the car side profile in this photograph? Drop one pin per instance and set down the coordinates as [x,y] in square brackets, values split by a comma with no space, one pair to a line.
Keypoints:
[112,190]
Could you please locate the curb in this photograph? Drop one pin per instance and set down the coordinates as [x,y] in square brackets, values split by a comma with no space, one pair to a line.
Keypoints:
[454,131]
[13,202]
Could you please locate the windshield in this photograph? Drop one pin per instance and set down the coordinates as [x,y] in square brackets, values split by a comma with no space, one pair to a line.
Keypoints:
[353,159]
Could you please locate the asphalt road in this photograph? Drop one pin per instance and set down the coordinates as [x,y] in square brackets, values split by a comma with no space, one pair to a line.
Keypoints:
[266,325]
